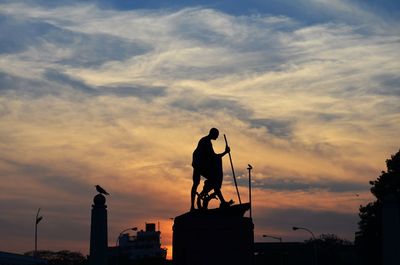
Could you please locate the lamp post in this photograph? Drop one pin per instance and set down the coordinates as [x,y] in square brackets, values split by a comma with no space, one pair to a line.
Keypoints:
[117,242]
[274,237]
[123,231]
[251,205]
[306,229]
[314,241]
[37,221]
[281,250]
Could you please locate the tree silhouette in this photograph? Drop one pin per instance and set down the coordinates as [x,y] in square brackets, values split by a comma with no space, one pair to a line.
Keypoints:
[369,237]
[332,250]
[63,257]
[329,240]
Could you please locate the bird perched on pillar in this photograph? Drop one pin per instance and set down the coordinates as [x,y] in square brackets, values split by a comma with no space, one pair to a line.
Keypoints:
[101,190]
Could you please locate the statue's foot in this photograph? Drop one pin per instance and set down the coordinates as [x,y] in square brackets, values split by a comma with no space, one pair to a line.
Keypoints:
[226,204]
[213,196]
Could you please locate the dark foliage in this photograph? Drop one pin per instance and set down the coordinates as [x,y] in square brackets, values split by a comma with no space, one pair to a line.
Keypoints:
[124,260]
[329,240]
[151,261]
[63,257]
[332,250]
[369,237]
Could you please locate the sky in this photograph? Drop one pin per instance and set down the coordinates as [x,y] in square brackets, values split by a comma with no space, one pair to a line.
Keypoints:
[118,93]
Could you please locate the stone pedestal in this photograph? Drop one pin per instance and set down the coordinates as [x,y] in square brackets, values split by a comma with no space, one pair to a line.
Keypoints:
[98,231]
[211,237]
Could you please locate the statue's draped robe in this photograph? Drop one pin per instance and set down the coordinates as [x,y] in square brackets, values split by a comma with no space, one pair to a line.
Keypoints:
[207,162]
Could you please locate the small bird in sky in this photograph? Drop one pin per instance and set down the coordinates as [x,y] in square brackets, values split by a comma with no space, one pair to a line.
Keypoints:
[101,190]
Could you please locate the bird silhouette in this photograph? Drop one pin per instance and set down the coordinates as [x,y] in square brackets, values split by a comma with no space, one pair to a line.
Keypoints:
[101,190]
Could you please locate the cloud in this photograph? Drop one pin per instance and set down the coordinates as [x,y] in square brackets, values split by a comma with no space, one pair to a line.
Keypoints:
[11,83]
[293,184]
[53,75]
[311,11]
[277,128]
[70,184]
[14,36]
[388,85]
[70,47]
[194,101]
[62,84]
[142,92]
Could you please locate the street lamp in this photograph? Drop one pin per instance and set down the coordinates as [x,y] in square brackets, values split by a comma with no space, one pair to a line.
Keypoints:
[123,231]
[281,251]
[275,237]
[314,241]
[117,242]
[306,229]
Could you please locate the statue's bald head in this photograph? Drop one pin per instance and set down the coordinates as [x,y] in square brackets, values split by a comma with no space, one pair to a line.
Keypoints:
[213,133]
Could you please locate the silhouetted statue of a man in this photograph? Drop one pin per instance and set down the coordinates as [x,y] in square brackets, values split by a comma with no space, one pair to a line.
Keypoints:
[208,164]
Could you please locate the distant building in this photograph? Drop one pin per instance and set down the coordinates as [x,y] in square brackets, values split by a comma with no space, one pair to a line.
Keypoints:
[18,259]
[144,245]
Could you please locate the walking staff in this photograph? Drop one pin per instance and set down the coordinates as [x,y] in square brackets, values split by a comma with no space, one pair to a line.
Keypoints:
[233,171]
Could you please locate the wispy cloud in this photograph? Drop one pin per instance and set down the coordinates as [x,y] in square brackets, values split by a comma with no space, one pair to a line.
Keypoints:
[329,184]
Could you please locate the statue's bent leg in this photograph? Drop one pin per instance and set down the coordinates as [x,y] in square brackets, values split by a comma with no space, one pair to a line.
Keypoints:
[203,197]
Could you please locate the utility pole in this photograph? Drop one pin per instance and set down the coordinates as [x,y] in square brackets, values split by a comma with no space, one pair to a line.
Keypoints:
[38,219]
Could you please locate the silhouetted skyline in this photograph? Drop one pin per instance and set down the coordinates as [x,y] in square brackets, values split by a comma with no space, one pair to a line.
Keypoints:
[109,93]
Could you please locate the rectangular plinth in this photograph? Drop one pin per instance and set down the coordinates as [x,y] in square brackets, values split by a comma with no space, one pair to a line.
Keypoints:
[202,238]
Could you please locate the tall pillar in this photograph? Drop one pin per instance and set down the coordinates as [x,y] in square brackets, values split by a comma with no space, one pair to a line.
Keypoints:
[98,231]
[391,230]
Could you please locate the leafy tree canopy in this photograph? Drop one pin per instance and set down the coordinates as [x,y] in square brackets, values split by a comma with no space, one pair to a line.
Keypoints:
[369,237]
[329,240]
[388,182]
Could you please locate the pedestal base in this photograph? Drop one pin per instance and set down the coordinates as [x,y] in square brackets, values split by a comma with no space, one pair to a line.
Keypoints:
[219,236]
